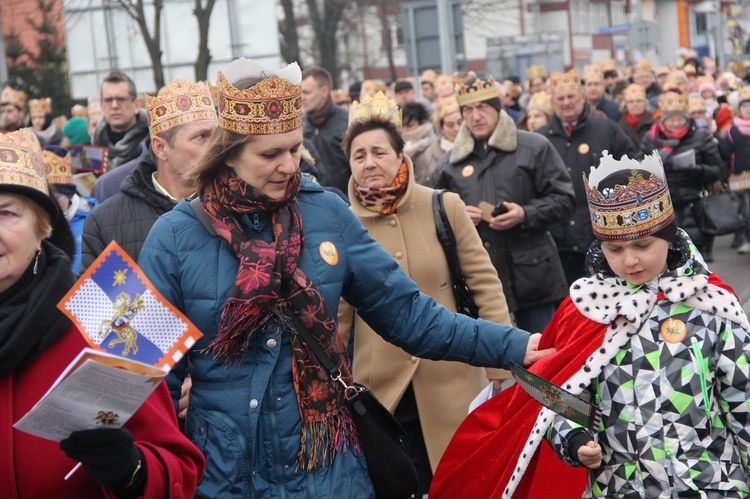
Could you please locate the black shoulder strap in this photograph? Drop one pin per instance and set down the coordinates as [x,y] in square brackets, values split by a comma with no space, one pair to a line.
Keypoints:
[444,230]
[200,214]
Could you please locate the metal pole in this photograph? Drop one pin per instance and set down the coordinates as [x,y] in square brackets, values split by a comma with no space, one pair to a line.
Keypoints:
[413,42]
[234,30]
[3,62]
[445,26]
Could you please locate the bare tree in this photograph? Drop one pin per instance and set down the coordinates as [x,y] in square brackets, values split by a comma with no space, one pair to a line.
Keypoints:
[202,12]
[325,25]
[288,31]
[387,38]
[152,38]
[486,17]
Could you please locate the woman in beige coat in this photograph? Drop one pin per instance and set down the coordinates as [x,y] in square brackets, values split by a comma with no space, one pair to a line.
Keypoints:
[430,398]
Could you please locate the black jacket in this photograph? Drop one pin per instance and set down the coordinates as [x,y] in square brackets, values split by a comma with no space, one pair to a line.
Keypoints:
[580,151]
[125,217]
[523,168]
[735,150]
[327,139]
[610,108]
[641,128]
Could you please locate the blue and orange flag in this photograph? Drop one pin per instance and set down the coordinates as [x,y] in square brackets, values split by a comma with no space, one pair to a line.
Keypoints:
[119,311]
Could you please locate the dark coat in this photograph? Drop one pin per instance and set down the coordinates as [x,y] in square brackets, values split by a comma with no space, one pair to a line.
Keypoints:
[523,168]
[735,150]
[109,184]
[591,136]
[610,108]
[327,139]
[126,217]
[641,128]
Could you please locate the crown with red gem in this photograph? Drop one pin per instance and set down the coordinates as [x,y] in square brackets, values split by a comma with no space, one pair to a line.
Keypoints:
[476,90]
[636,205]
[272,105]
[58,169]
[178,103]
[564,82]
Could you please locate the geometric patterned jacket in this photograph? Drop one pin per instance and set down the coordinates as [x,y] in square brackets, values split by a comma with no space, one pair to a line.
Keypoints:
[673,385]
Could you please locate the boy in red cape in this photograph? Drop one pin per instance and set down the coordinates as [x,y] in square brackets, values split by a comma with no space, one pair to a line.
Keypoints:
[637,338]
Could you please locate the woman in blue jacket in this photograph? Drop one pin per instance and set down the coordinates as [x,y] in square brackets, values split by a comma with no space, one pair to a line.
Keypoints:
[269,420]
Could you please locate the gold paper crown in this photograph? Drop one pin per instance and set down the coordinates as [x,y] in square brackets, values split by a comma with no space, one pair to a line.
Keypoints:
[477,91]
[58,170]
[379,105]
[444,86]
[697,105]
[689,69]
[21,160]
[95,103]
[542,102]
[634,92]
[14,97]
[445,106]
[512,89]
[593,72]
[40,106]
[737,66]
[429,75]
[79,111]
[269,107]
[642,67]
[340,95]
[608,65]
[368,88]
[178,103]
[214,90]
[672,101]
[564,82]
[536,72]
[704,80]
[640,208]
[661,70]
[744,94]
[675,82]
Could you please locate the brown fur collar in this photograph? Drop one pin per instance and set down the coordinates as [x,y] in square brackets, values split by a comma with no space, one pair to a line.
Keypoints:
[504,137]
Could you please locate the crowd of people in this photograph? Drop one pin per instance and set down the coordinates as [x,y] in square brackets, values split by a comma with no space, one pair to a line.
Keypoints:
[570,197]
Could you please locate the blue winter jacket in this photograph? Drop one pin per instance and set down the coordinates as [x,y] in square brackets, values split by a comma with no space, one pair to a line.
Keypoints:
[245,417]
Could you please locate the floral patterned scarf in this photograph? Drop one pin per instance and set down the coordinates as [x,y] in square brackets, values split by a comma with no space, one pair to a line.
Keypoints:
[384,200]
[269,280]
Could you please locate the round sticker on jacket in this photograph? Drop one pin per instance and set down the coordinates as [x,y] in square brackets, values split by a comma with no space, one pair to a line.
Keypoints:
[468,171]
[583,149]
[329,253]
[673,330]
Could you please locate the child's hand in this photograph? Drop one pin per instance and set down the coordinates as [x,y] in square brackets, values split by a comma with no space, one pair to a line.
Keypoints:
[590,455]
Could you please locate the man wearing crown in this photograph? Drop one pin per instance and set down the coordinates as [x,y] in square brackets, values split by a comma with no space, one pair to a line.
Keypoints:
[580,139]
[522,176]
[594,90]
[12,103]
[182,118]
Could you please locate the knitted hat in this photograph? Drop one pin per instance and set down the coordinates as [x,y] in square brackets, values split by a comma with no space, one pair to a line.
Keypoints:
[564,82]
[178,103]
[75,129]
[22,170]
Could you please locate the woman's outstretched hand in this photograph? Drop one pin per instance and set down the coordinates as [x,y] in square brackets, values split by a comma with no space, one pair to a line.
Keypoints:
[532,350]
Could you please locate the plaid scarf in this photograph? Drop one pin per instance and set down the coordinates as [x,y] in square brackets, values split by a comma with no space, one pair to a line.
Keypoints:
[384,200]
[268,281]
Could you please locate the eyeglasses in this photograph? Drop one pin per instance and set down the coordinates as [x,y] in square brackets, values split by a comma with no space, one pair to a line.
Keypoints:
[107,101]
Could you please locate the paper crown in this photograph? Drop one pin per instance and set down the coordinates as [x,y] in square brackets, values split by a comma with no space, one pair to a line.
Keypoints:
[634,92]
[642,67]
[340,95]
[737,66]
[214,89]
[697,105]
[676,81]
[21,160]
[542,102]
[271,106]
[40,106]
[79,111]
[661,71]
[512,89]
[95,103]
[704,80]
[428,75]
[379,105]
[58,169]
[640,208]
[477,91]
[368,88]
[14,97]
[178,103]
[608,65]
[536,72]
[689,69]
[444,86]
[593,72]
[445,106]
[744,94]
[672,101]
[564,82]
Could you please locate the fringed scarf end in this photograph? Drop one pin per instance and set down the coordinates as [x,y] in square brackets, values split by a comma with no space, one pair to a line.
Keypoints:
[322,440]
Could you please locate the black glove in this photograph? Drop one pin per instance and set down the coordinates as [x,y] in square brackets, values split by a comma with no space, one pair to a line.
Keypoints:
[110,457]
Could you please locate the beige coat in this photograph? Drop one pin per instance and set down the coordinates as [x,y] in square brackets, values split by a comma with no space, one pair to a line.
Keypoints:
[443,389]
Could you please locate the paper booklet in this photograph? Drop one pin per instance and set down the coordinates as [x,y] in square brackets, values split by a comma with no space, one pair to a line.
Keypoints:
[684,160]
[135,337]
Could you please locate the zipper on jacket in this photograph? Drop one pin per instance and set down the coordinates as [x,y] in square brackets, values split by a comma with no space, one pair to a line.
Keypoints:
[702,374]
[256,221]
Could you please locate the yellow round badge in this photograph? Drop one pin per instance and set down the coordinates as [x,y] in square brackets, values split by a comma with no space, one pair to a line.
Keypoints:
[329,253]
[673,330]
[468,171]
[583,149]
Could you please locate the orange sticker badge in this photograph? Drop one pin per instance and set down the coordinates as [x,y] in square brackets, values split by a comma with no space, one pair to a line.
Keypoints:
[673,330]
[468,171]
[329,253]
[583,149]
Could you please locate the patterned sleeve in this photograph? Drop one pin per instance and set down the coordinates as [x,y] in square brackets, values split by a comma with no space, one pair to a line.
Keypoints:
[732,375]
[562,433]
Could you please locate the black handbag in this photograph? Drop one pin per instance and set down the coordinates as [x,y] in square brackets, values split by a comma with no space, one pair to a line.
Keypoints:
[392,472]
[464,299]
[719,214]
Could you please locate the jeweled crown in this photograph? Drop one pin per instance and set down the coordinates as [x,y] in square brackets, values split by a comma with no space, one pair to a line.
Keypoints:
[536,72]
[21,160]
[541,101]
[564,82]
[14,97]
[179,103]
[634,92]
[476,90]
[445,106]
[58,169]
[642,67]
[377,105]
[639,208]
[673,101]
[40,106]
[593,72]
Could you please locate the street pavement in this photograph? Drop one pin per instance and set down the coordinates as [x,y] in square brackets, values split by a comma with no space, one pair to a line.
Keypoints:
[734,269]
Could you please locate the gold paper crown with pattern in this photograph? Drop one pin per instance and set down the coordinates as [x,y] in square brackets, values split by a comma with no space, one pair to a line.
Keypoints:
[477,91]
[634,92]
[21,160]
[704,80]
[564,82]
[744,94]
[429,75]
[737,66]
[640,208]
[444,86]
[95,103]
[14,97]
[368,88]
[642,67]
[593,72]
[542,102]
[661,70]
[672,101]
[214,89]
[697,105]
[445,106]
[377,105]
[271,106]
[608,65]
[536,72]
[40,106]
[59,170]
[79,111]
[340,95]
[689,69]
[179,103]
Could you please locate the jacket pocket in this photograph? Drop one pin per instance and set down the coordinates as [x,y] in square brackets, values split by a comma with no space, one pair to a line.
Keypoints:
[536,272]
